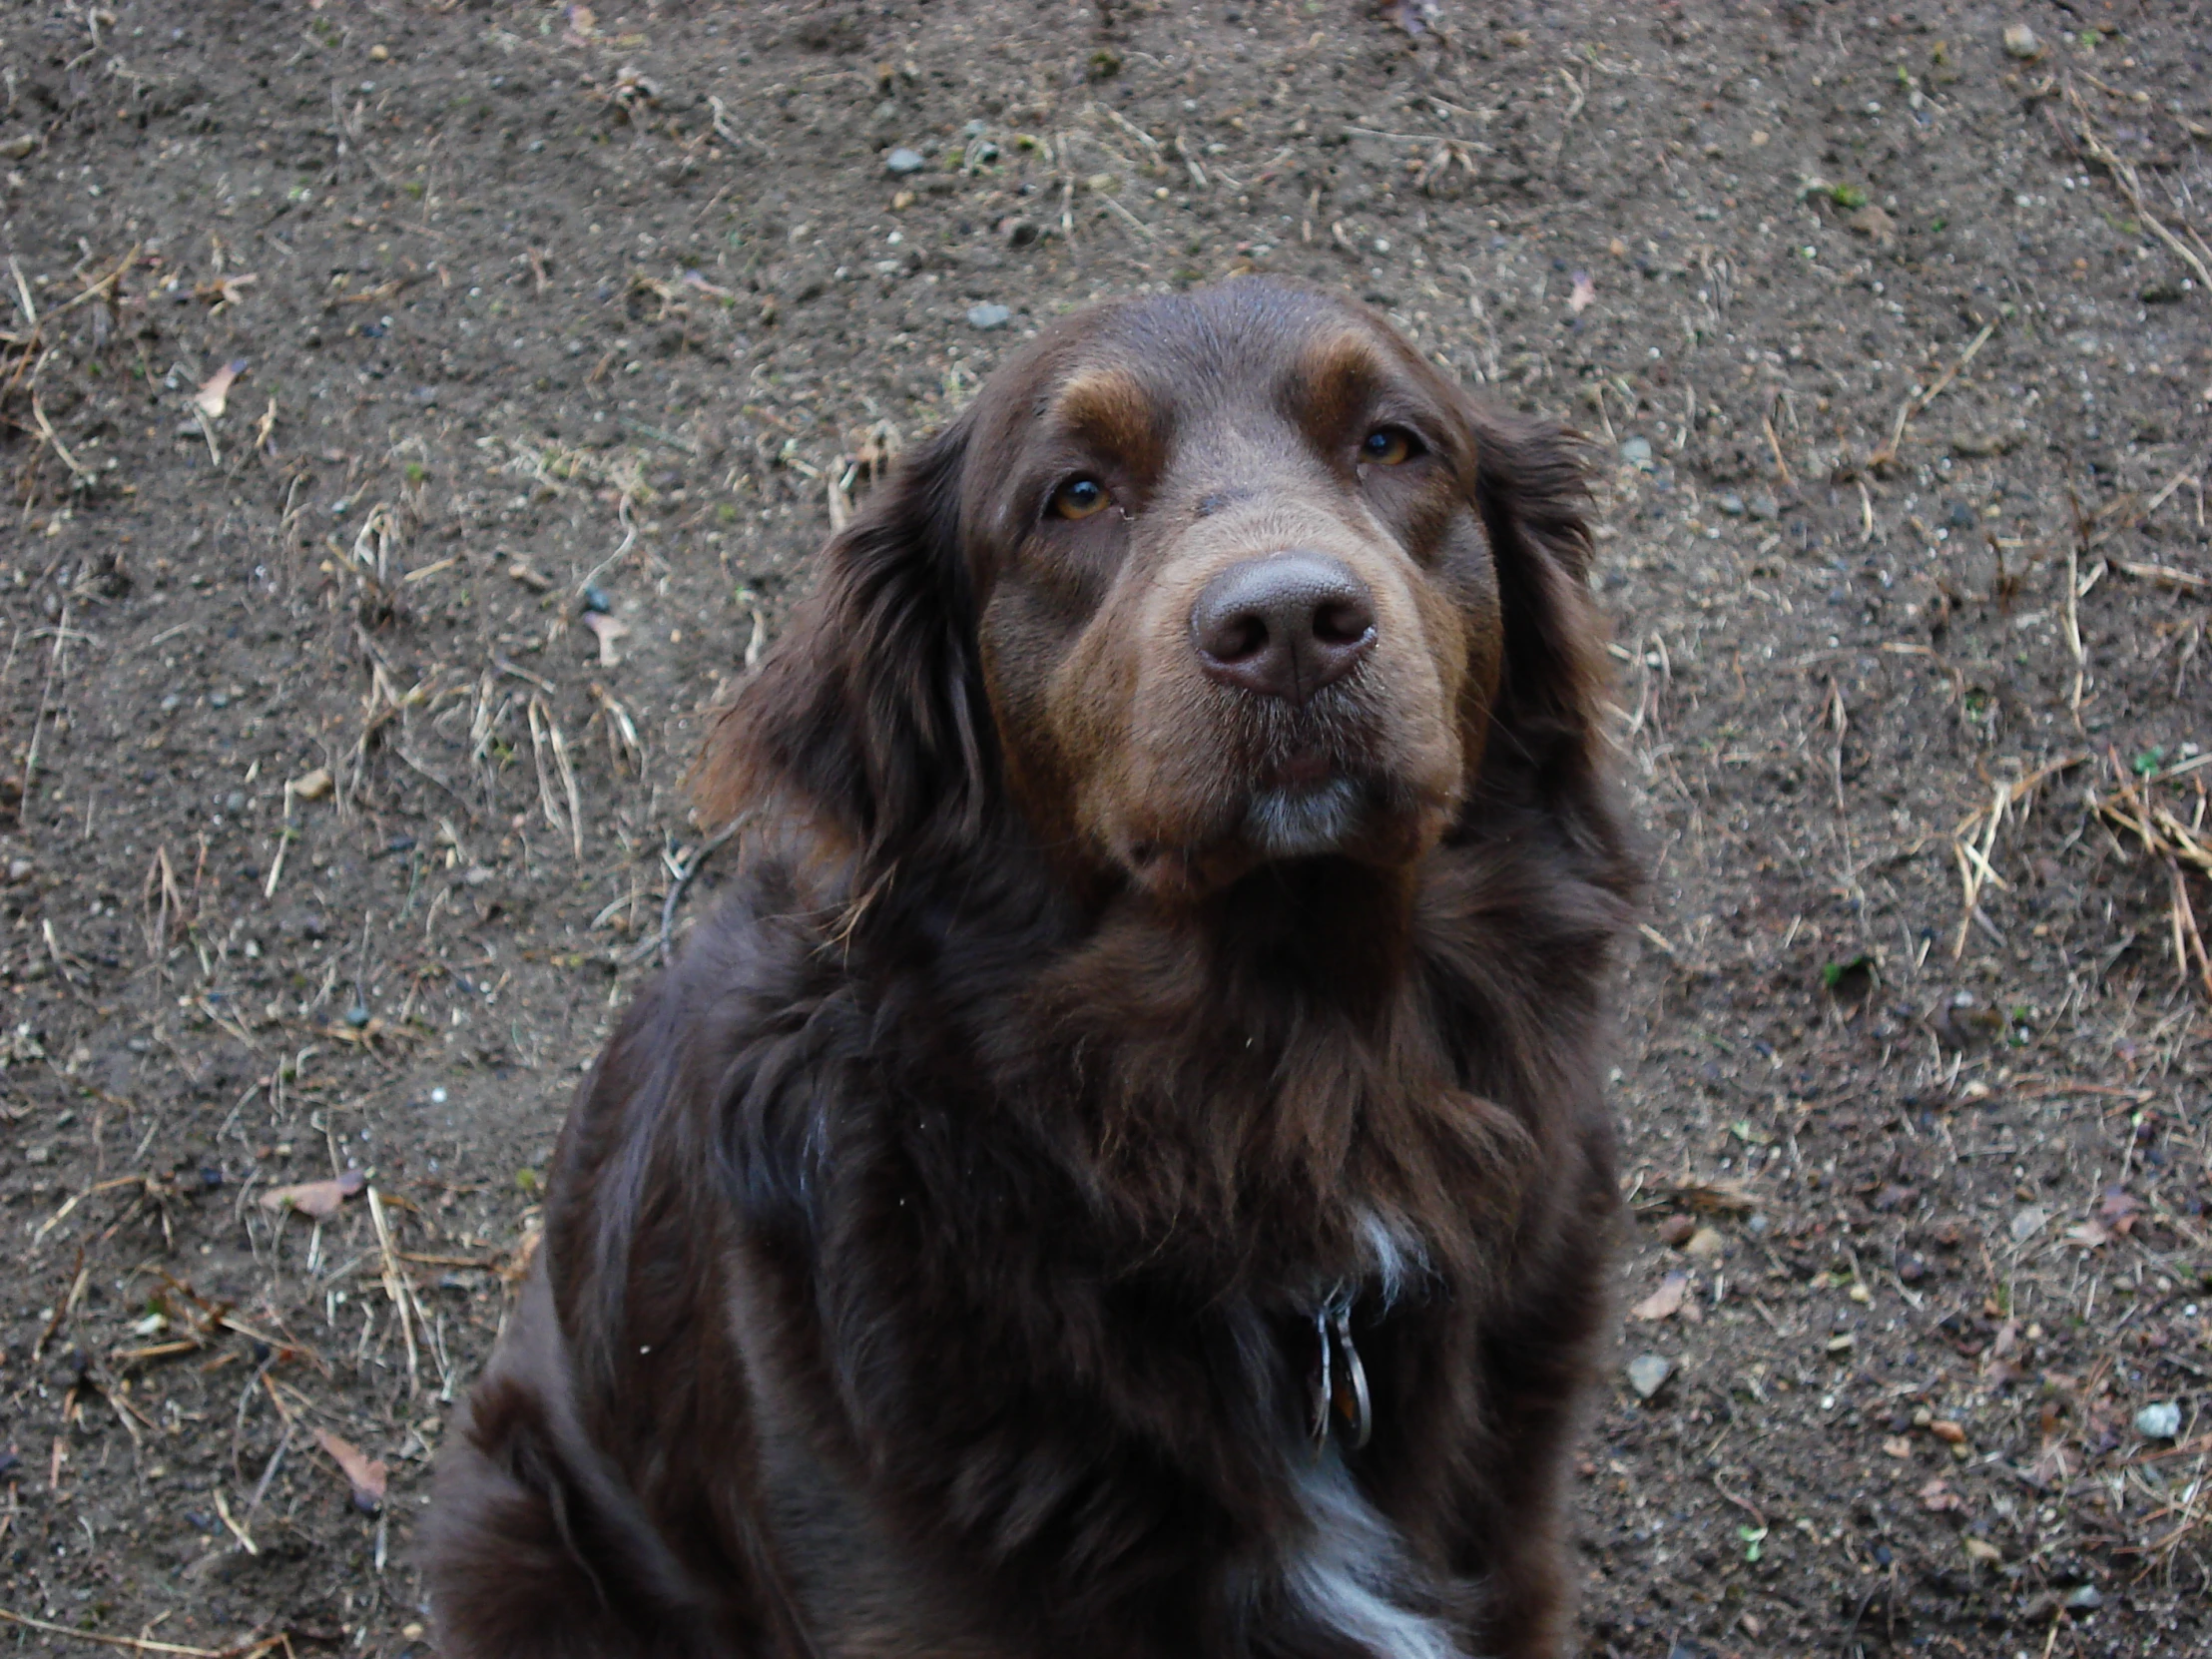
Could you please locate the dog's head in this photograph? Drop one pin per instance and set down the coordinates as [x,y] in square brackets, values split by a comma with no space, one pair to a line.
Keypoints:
[1197,584]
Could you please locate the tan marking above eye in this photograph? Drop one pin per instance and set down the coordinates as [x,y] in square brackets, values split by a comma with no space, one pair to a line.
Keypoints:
[1389,447]
[1080,498]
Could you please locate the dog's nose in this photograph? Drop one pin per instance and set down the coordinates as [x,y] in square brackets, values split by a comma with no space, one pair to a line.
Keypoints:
[1283,626]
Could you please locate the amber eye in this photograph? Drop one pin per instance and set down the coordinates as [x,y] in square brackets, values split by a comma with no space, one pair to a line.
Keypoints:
[1079,498]
[1389,447]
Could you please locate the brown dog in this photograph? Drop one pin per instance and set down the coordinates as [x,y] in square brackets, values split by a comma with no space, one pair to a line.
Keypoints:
[1126,1174]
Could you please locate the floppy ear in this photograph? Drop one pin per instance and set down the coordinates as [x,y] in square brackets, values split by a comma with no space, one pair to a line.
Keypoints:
[1532,492]
[868,712]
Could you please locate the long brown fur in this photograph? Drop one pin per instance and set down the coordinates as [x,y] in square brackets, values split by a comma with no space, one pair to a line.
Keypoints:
[932,1257]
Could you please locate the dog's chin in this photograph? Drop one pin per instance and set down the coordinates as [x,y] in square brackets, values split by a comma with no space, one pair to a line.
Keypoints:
[1288,822]
[1364,820]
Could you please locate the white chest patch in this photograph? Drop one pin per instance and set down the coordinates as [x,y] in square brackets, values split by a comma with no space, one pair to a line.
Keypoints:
[1346,1576]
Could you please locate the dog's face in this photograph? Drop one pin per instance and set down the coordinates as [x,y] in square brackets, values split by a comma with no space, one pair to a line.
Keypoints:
[1235,602]
[1197,583]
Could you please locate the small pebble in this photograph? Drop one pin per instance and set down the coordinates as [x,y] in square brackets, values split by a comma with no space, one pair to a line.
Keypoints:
[903,161]
[2085,1598]
[1675,1231]
[1870,220]
[1637,452]
[2020,42]
[1762,505]
[1705,1244]
[597,602]
[988,316]
[356,1016]
[1648,1374]
[2160,1422]
[1732,504]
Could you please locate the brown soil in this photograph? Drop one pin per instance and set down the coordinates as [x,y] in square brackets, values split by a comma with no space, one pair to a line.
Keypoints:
[537,308]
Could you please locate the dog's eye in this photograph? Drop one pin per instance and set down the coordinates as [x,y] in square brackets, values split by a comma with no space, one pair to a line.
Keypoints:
[1079,498]
[1389,446]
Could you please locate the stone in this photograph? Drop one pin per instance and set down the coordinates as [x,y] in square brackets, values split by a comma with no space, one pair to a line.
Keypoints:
[1762,505]
[1870,220]
[988,316]
[903,161]
[1637,452]
[1648,1374]
[2159,1421]
[2020,43]
[1730,503]
[2085,1598]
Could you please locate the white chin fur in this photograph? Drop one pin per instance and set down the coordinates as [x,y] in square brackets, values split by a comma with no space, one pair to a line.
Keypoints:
[1284,825]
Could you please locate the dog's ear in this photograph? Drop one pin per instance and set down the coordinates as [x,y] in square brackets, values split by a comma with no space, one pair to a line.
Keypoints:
[1532,489]
[867,714]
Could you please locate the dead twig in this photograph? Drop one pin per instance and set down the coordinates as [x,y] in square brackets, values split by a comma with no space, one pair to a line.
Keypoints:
[683,878]
[1975,871]
[395,1288]
[1911,406]
[2130,186]
[144,1644]
[2180,846]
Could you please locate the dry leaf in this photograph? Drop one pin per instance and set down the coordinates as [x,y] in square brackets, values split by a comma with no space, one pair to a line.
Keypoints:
[606,629]
[2117,1210]
[1666,1300]
[214,393]
[318,1199]
[2055,1463]
[311,785]
[1584,294]
[1981,1549]
[365,1474]
[1936,1496]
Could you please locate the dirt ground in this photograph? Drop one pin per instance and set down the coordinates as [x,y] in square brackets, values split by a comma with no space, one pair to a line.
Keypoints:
[416,415]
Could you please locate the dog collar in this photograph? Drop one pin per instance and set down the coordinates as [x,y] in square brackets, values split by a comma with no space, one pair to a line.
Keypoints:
[1338,1384]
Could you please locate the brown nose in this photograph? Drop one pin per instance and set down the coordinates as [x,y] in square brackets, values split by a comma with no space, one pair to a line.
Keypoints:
[1283,626]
